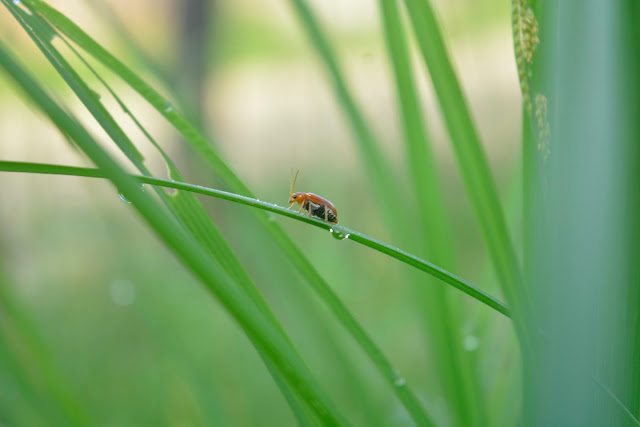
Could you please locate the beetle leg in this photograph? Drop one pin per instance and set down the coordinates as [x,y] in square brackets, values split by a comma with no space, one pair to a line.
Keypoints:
[326,213]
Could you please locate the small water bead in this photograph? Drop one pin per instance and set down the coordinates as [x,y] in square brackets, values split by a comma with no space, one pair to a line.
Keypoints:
[16,2]
[124,199]
[122,292]
[337,235]
[471,343]
[167,107]
[399,381]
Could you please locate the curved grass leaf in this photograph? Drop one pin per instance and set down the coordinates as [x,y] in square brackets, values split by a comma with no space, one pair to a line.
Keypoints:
[340,232]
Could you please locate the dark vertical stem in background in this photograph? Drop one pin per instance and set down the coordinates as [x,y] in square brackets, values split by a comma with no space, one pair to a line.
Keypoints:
[585,271]
[191,65]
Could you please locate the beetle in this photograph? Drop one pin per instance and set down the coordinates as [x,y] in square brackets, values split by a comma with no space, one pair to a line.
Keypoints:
[313,204]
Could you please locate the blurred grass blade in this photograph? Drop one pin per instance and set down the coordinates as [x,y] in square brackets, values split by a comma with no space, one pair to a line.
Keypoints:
[340,232]
[23,349]
[586,250]
[471,158]
[460,385]
[197,141]
[255,324]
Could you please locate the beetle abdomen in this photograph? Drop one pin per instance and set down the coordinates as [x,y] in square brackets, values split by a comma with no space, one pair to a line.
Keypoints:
[319,211]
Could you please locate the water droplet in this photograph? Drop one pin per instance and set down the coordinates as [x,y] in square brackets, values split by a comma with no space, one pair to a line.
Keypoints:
[471,343]
[399,381]
[124,199]
[122,292]
[16,2]
[167,107]
[337,235]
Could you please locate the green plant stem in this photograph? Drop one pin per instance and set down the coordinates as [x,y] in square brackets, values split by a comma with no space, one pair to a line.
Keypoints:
[338,231]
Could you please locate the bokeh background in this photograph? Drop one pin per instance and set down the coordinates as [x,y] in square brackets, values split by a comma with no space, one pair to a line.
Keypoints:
[130,335]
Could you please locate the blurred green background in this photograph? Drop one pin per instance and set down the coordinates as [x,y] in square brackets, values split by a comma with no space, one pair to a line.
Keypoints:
[131,337]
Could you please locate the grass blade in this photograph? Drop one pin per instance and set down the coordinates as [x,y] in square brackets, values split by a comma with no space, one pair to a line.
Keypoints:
[339,232]
[471,158]
[442,319]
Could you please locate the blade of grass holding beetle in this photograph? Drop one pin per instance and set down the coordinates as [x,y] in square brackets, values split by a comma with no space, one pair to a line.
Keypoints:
[471,159]
[460,384]
[195,139]
[186,207]
[338,231]
[257,327]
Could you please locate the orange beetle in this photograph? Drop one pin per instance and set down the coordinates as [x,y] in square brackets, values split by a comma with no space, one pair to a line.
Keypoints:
[313,204]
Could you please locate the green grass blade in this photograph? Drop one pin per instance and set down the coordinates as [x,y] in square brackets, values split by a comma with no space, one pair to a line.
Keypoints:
[460,386]
[200,144]
[338,231]
[243,310]
[471,158]
[24,350]
[42,35]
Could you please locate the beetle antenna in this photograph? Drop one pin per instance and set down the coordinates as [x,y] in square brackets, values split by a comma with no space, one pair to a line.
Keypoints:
[293,182]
